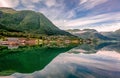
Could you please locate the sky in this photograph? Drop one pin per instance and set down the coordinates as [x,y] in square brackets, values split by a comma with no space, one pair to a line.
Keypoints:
[102,15]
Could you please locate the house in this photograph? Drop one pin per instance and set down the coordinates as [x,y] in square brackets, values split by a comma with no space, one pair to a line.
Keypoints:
[31,42]
[22,41]
[12,39]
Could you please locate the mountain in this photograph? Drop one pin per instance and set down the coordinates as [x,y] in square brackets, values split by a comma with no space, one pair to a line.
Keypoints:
[115,35]
[88,34]
[4,28]
[28,21]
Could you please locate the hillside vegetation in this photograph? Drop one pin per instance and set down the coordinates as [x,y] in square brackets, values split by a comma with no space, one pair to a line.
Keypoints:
[28,22]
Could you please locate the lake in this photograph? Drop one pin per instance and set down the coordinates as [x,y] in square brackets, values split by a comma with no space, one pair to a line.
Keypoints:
[82,61]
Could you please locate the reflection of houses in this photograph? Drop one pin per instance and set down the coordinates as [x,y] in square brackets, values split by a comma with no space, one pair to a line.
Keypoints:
[67,41]
[22,41]
[15,42]
[25,41]
[12,41]
[13,46]
[3,42]
[31,42]
[88,41]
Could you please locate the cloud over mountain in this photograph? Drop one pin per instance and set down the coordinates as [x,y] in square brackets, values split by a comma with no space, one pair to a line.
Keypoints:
[72,13]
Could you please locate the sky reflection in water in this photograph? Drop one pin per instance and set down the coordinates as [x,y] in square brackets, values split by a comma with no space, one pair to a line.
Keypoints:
[102,64]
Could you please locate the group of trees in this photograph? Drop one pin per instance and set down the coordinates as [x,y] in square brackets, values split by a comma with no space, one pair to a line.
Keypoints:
[19,34]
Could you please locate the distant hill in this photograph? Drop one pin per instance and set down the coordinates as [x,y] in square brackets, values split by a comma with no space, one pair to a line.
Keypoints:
[115,34]
[28,21]
[88,34]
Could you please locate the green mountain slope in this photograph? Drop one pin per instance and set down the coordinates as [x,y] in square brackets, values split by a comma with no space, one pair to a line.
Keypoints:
[7,29]
[28,21]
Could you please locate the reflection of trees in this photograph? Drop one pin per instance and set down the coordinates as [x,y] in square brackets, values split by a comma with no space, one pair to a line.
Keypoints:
[102,45]
[28,60]
[113,47]
[88,49]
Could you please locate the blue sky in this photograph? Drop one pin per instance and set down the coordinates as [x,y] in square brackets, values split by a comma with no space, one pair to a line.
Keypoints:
[102,15]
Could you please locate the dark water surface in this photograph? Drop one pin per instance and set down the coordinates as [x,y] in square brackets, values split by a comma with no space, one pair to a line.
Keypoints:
[83,61]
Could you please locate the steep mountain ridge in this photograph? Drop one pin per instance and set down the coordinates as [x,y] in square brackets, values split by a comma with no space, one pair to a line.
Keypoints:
[29,21]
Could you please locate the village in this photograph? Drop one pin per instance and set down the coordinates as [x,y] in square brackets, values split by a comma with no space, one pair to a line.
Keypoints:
[15,42]
[19,41]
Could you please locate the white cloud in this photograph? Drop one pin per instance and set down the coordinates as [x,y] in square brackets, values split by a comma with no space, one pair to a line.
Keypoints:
[9,3]
[52,14]
[100,28]
[88,4]
[70,14]
[50,3]
[26,3]
[29,4]
[91,22]
[29,1]
[36,1]
[57,13]
[83,1]
[107,27]
[94,19]
[14,3]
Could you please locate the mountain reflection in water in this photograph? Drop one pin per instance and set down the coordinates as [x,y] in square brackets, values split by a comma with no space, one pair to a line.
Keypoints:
[28,60]
[84,61]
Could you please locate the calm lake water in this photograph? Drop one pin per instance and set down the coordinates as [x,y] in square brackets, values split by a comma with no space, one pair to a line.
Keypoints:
[83,61]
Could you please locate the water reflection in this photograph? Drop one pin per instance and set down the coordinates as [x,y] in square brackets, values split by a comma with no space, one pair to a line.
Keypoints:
[90,49]
[84,61]
[28,60]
